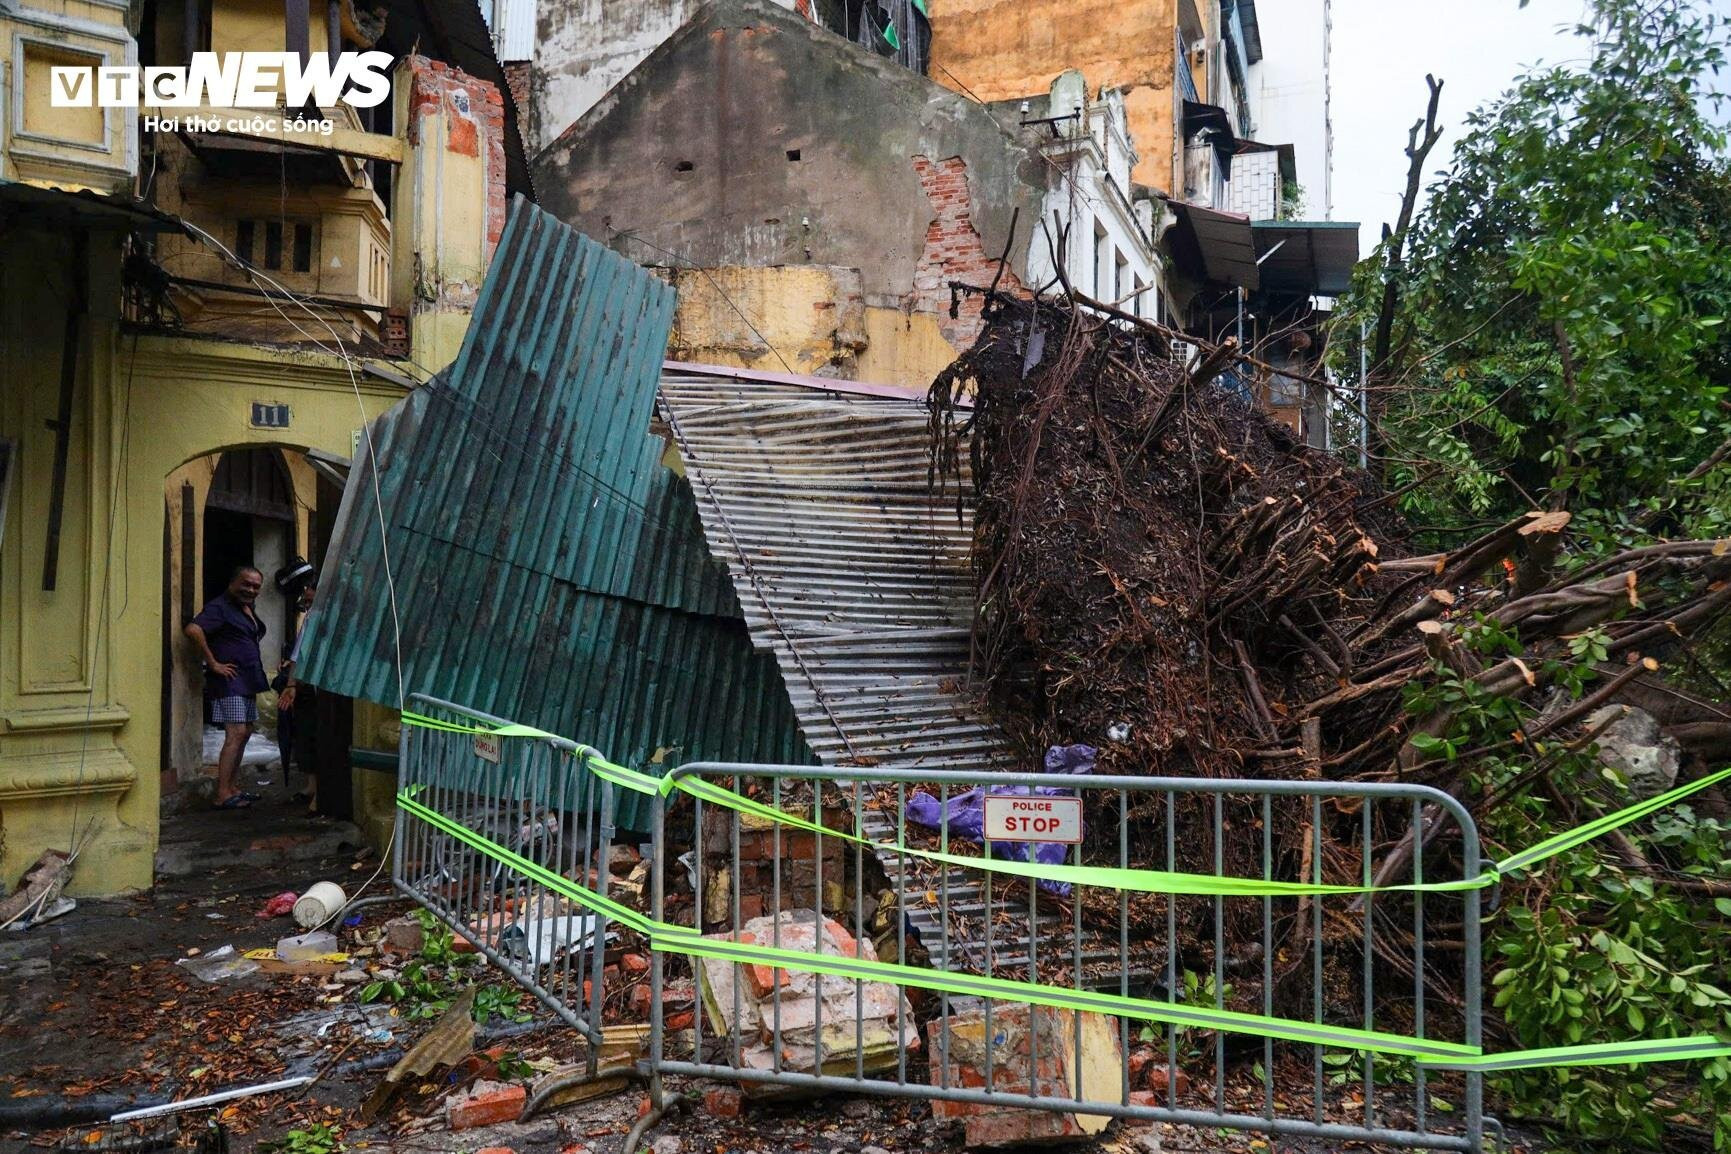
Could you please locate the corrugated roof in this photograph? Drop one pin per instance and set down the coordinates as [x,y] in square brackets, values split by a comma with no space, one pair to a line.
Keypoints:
[547,566]
[858,580]
[846,567]
[1306,256]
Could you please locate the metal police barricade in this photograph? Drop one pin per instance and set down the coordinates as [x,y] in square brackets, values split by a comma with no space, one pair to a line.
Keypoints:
[532,798]
[1021,1000]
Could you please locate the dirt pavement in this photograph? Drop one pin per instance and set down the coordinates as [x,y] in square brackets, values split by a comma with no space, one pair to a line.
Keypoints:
[96,1016]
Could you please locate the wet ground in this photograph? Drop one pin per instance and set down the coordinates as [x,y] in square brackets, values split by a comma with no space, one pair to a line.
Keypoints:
[98,1014]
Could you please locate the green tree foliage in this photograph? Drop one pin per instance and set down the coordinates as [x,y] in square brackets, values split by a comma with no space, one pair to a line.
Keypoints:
[1561,340]
[1561,334]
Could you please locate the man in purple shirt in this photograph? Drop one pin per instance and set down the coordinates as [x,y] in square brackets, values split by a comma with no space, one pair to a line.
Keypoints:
[227,633]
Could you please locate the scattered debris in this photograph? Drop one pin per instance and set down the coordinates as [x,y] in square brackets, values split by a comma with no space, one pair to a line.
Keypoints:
[38,890]
[405,934]
[319,905]
[484,1103]
[308,947]
[446,1044]
[1631,742]
[317,965]
[1027,1051]
[212,1099]
[858,1022]
[218,965]
[283,903]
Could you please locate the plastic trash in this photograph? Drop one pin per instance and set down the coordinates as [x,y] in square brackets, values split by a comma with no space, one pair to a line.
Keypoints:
[965,814]
[306,947]
[282,904]
[541,941]
[319,904]
[218,965]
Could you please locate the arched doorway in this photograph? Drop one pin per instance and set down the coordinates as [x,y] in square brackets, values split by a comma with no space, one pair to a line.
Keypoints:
[249,519]
[251,505]
[257,505]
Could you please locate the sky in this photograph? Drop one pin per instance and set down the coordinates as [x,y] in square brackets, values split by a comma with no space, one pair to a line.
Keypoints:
[1379,55]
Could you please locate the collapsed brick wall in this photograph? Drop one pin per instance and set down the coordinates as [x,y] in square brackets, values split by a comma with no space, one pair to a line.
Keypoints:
[954,251]
[779,870]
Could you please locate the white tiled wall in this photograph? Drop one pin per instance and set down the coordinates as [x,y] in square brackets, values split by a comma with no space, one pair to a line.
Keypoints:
[1255,185]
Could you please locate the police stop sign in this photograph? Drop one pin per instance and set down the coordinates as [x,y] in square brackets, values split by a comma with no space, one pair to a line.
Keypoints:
[1049,819]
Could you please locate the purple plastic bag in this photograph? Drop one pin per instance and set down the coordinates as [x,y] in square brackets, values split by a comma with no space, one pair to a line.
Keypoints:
[965,814]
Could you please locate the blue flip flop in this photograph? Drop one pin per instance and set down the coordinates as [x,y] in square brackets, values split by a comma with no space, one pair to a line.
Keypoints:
[238,801]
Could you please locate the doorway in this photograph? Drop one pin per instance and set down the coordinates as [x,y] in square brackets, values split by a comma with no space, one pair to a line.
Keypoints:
[242,506]
[255,505]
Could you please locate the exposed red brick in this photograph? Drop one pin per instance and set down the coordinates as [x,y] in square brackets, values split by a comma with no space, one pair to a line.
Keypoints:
[1158,1081]
[1139,1061]
[634,964]
[684,1020]
[723,1102]
[517,82]
[1006,1127]
[954,252]
[475,125]
[485,1104]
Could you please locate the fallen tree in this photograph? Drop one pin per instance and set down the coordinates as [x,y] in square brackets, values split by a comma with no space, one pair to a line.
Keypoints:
[1158,559]
[1167,573]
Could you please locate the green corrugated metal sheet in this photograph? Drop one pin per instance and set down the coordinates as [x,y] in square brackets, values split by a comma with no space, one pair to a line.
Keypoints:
[547,567]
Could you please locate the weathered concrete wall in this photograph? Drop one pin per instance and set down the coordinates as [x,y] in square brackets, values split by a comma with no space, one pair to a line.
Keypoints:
[753,139]
[585,47]
[798,318]
[1008,49]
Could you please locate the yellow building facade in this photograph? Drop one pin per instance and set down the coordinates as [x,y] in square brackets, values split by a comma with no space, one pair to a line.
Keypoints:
[162,386]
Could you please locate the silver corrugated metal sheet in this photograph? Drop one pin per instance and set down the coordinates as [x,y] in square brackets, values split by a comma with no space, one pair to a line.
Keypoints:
[847,568]
[858,580]
[513,26]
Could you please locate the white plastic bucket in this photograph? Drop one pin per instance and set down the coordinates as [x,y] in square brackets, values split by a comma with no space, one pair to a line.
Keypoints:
[319,904]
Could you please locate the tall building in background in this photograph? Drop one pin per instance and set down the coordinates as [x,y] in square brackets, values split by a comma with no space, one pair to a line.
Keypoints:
[582,48]
[1290,96]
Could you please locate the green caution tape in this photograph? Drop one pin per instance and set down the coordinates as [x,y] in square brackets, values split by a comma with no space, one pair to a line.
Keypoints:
[1428,1052]
[685,940]
[1606,1054]
[1134,880]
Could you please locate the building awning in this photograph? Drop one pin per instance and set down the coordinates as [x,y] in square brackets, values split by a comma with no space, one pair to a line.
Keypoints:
[83,209]
[1252,30]
[1306,257]
[1214,246]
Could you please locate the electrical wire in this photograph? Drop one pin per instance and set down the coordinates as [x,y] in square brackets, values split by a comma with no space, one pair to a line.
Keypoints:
[348,361]
[691,264]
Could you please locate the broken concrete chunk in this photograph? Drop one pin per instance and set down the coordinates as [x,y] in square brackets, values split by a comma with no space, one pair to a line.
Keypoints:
[1632,745]
[39,887]
[405,935]
[1031,1052]
[484,1104]
[848,1022]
